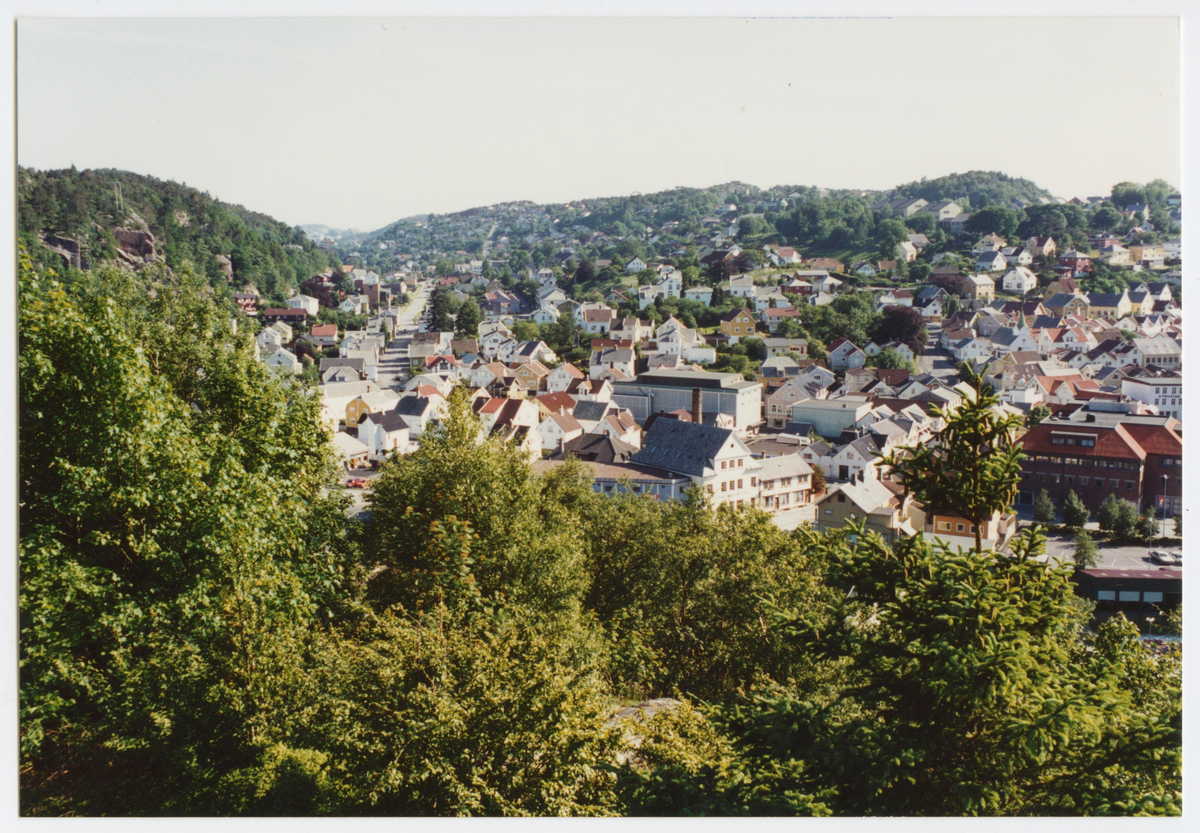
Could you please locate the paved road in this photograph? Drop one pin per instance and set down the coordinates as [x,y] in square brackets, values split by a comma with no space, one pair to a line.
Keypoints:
[935,360]
[392,370]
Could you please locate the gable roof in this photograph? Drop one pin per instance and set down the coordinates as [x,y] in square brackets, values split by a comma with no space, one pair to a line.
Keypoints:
[682,447]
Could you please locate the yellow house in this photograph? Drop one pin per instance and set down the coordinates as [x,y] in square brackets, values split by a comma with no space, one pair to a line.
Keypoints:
[737,323]
[957,531]
[533,375]
[1146,251]
[1110,305]
[370,403]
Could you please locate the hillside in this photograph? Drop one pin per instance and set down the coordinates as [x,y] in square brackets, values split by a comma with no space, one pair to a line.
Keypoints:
[976,189]
[78,219]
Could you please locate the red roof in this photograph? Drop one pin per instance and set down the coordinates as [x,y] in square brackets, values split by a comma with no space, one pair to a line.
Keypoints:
[1155,439]
[1113,442]
[323,330]
[556,401]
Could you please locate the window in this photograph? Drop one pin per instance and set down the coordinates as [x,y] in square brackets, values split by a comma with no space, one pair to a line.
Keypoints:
[1106,595]
[753,482]
[722,465]
[722,485]
[1129,485]
[710,488]
[828,511]
[944,526]
[1041,477]
[1151,596]
[739,483]
[739,462]
[841,498]
[959,528]
[1128,596]
[1083,481]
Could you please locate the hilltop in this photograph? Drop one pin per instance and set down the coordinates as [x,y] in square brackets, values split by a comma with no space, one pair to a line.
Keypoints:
[71,219]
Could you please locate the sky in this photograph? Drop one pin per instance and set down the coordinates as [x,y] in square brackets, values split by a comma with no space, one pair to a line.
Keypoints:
[354,123]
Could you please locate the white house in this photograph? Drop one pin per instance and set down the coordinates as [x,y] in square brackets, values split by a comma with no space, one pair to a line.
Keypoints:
[635,265]
[383,433]
[558,429]
[1019,279]
[284,361]
[304,302]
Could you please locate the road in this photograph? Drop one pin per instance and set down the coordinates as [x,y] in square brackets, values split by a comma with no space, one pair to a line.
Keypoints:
[935,360]
[392,370]
[487,243]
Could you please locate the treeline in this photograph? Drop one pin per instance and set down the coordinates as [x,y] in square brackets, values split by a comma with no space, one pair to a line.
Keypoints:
[975,189]
[190,226]
[203,631]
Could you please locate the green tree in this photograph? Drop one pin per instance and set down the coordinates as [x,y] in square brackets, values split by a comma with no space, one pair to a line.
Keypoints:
[466,323]
[1075,513]
[1036,414]
[1085,554]
[818,479]
[1108,513]
[974,469]
[1043,508]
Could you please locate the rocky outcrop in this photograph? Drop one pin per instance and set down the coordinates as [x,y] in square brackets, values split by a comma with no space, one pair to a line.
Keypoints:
[135,243]
[65,246]
[226,267]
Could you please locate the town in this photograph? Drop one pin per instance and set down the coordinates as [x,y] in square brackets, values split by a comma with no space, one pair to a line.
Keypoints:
[698,368]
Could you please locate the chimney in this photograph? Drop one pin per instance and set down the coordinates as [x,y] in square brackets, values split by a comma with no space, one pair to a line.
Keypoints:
[697,406]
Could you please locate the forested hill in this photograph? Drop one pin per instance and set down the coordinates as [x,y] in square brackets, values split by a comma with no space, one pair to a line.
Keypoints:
[93,216]
[976,189]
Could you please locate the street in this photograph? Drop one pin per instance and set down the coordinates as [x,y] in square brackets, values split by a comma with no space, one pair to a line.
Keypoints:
[392,369]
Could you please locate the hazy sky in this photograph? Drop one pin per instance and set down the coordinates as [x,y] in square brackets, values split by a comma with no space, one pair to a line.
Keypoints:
[355,123]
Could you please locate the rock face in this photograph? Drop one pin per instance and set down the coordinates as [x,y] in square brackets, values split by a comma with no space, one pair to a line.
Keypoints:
[66,247]
[136,244]
[226,267]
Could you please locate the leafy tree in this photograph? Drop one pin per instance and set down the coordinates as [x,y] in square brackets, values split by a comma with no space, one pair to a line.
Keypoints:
[974,469]
[1075,513]
[1085,554]
[818,479]
[903,324]
[994,220]
[889,358]
[1036,414]
[1178,526]
[466,323]
[1043,508]
[889,233]
[441,311]
[756,348]
[919,270]
[525,331]
[1108,513]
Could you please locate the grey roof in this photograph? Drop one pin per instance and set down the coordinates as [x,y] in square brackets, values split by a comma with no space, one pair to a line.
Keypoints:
[800,429]
[412,405]
[1104,299]
[683,447]
[1062,299]
[354,364]
[592,411]
[389,420]
[598,448]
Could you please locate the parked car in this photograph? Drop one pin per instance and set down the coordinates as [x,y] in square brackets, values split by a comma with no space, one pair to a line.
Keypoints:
[1164,558]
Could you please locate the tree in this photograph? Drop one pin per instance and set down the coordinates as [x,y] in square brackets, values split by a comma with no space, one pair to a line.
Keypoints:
[889,358]
[1085,554]
[919,271]
[441,311]
[974,470]
[1036,414]
[890,233]
[1108,513]
[1043,508]
[903,324]
[818,478]
[1178,526]
[994,220]
[1075,513]
[466,323]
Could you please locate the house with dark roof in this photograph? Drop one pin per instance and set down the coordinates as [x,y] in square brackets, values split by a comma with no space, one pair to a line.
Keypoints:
[716,459]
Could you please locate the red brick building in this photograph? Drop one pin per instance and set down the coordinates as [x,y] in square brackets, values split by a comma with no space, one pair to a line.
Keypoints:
[1126,459]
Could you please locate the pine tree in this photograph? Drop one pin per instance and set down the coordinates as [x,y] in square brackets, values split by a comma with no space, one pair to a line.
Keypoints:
[1043,508]
[974,469]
